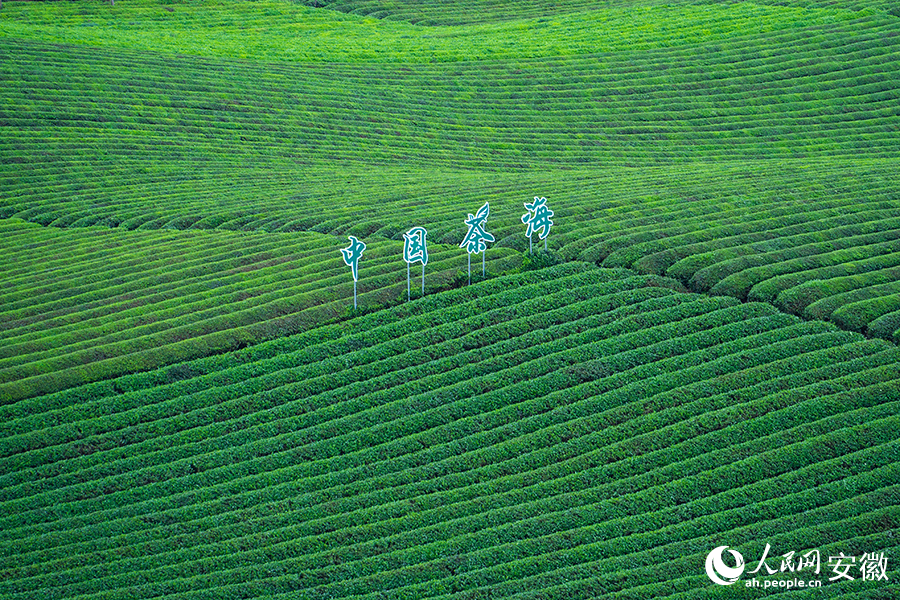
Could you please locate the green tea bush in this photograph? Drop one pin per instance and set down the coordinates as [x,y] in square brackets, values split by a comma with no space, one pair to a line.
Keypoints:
[826,307]
[797,299]
[856,315]
[765,282]
[886,326]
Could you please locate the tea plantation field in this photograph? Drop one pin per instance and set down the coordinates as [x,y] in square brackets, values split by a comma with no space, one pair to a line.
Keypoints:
[567,432]
[190,406]
[655,130]
[84,304]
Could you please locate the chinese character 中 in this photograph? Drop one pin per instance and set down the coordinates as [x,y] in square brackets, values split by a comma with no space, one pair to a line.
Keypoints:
[414,246]
[351,255]
[538,217]
[476,238]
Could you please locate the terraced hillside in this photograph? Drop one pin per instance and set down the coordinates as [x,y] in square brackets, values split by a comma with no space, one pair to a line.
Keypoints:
[643,86]
[84,304]
[564,433]
[189,408]
[638,121]
[444,12]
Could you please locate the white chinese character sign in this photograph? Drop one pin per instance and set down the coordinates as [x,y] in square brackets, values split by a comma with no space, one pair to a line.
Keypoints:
[476,240]
[477,237]
[352,254]
[537,218]
[414,246]
[415,250]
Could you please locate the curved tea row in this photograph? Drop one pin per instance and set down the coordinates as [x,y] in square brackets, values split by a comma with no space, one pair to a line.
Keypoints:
[444,12]
[86,304]
[569,431]
[726,162]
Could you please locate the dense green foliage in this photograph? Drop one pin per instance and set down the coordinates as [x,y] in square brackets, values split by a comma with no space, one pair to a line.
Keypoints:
[570,430]
[278,30]
[84,304]
[190,409]
[656,131]
[442,12]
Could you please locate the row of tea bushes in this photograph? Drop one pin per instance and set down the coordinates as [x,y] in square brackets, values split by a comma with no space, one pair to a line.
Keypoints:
[565,429]
[688,150]
[449,12]
[85,304]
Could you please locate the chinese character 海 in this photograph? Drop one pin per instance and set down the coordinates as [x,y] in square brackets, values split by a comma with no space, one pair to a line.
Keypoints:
[537,217]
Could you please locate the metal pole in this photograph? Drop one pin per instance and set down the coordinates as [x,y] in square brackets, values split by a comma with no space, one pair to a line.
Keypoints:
[530,249]
[354,294]
[407,282]
[423,280]
[482,263]
[470,268]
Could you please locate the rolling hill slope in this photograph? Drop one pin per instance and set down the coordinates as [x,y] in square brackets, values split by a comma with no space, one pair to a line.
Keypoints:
[570,432]
[85,304]
[189,408]
[444,12]
[651,127]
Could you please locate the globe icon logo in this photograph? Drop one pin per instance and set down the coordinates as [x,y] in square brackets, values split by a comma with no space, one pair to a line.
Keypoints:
[718,571]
